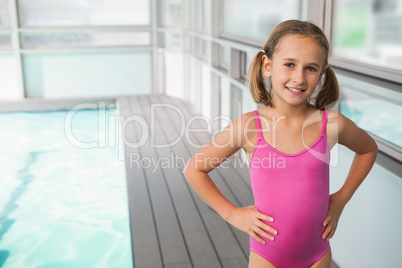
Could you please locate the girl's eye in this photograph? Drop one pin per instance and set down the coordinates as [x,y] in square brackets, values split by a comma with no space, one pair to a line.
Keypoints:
[311,69]
[290,65]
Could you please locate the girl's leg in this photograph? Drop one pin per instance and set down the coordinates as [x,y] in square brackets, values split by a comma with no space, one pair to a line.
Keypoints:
[256,261]
[325,261]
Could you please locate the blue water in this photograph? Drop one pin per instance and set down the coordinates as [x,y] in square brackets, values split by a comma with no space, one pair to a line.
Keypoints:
[378,117]
[60,205]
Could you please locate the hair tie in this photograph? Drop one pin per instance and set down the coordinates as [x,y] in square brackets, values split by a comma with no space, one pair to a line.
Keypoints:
[263,51]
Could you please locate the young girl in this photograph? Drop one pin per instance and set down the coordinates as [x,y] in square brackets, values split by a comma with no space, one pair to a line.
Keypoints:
[287,143]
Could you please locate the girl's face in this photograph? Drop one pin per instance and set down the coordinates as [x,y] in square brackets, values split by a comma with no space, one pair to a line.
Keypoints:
[295,69]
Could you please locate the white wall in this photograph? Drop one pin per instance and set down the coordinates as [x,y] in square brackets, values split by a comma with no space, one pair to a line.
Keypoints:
[370,229]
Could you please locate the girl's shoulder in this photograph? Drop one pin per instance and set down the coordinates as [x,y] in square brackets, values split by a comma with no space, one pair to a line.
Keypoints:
[245,121]
[340,128]
[264,114]
[337,119]
[347,133]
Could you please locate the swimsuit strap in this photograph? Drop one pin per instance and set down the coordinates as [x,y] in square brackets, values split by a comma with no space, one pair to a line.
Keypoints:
[258,123]
[324,121]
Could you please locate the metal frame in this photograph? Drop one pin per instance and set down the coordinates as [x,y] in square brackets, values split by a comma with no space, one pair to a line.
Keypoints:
[13,9]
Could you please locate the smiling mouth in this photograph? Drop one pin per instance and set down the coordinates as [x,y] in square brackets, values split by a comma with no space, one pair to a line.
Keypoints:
[295,90]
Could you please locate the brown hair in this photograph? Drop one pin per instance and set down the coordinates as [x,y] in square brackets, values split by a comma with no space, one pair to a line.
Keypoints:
[328,92]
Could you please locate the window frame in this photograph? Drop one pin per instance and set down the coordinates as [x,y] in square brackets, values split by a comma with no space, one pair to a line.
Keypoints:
[392,93]
[355,66]
[17,30]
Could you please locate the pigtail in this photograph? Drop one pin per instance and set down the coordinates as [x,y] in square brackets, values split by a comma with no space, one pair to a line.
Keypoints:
[329,92]
[258,88]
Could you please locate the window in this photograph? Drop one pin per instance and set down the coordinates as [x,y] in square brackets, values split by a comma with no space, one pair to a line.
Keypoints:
[375,109]
[172,16]
[240,61]
[170,40]
[5,41]
[236,95]
[83,12]
[4,14]
[201,48]
[187,43]
[65,75]
[243,66]
[266,14]
[200,16]
[369,33]
[220,57]
[76,48]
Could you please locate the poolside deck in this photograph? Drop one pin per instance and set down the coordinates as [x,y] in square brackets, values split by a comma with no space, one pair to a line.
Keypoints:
[171,226]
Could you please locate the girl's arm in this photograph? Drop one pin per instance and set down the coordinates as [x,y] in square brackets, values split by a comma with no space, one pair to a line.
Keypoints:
[366,150]
[226,143]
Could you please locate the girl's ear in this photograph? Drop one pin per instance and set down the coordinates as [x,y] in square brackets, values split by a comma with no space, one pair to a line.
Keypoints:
[266,66]
[323,71]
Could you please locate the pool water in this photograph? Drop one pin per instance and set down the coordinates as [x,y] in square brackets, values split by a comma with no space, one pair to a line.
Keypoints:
[60,205]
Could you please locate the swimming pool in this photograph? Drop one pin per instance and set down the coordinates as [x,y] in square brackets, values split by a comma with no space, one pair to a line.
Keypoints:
[60,205]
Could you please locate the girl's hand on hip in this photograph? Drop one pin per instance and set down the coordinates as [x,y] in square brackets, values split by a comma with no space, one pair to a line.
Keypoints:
[249,220]
[335,208]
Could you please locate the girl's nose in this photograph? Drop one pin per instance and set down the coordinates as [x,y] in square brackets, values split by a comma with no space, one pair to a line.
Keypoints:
[298,76]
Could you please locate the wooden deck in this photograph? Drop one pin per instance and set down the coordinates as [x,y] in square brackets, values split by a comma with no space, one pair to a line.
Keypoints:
[170,225]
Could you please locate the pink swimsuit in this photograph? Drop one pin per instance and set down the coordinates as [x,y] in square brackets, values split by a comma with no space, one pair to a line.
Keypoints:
[294,190]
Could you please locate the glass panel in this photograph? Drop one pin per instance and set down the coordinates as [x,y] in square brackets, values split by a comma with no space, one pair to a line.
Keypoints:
[191,13]
[206,90]
[249,59]
[193,73]
[172,13]
[4,14]
[225,100]
[266,15]
[379,117]
[200,48]
[174,77]
[236,96]
[225,56]
[204,48]
[5,41]
[172,40]
[248,103]
[83,12]
[201,15]
[243,67]
[85,39]
[8,77]
[369,32]
[187,42]
[87,75]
